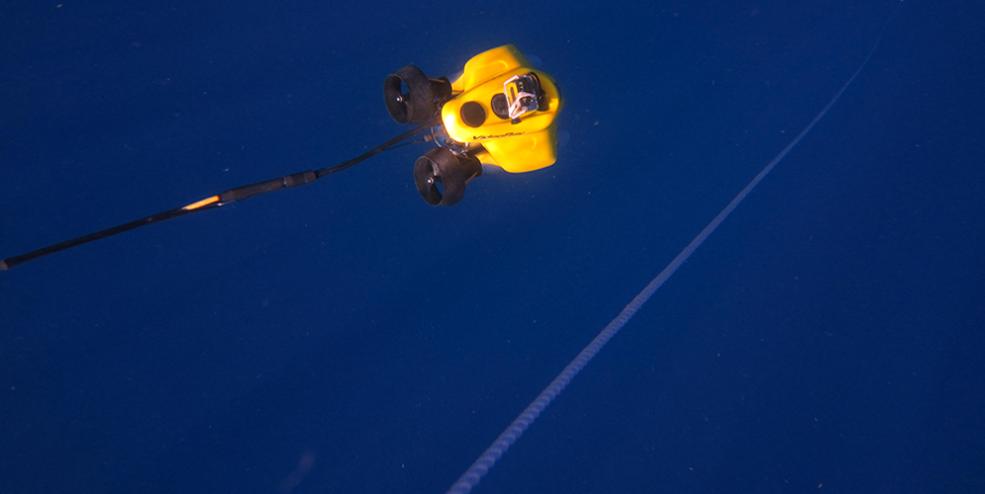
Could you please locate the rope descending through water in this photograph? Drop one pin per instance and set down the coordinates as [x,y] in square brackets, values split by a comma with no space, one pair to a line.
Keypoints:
[468,480]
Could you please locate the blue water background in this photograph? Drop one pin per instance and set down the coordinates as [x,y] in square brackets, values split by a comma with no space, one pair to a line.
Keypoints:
[345,337]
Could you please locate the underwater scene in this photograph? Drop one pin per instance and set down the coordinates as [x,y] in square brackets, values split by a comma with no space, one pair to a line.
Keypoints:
[492,247]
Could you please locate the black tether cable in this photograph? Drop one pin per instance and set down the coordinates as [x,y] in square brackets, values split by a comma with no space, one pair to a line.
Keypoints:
[232,195]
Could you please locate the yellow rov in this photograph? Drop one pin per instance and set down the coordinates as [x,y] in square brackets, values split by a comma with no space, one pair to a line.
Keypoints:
[499,112]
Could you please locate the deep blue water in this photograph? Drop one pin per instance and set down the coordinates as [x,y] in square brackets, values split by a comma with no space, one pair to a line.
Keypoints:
[828,338]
